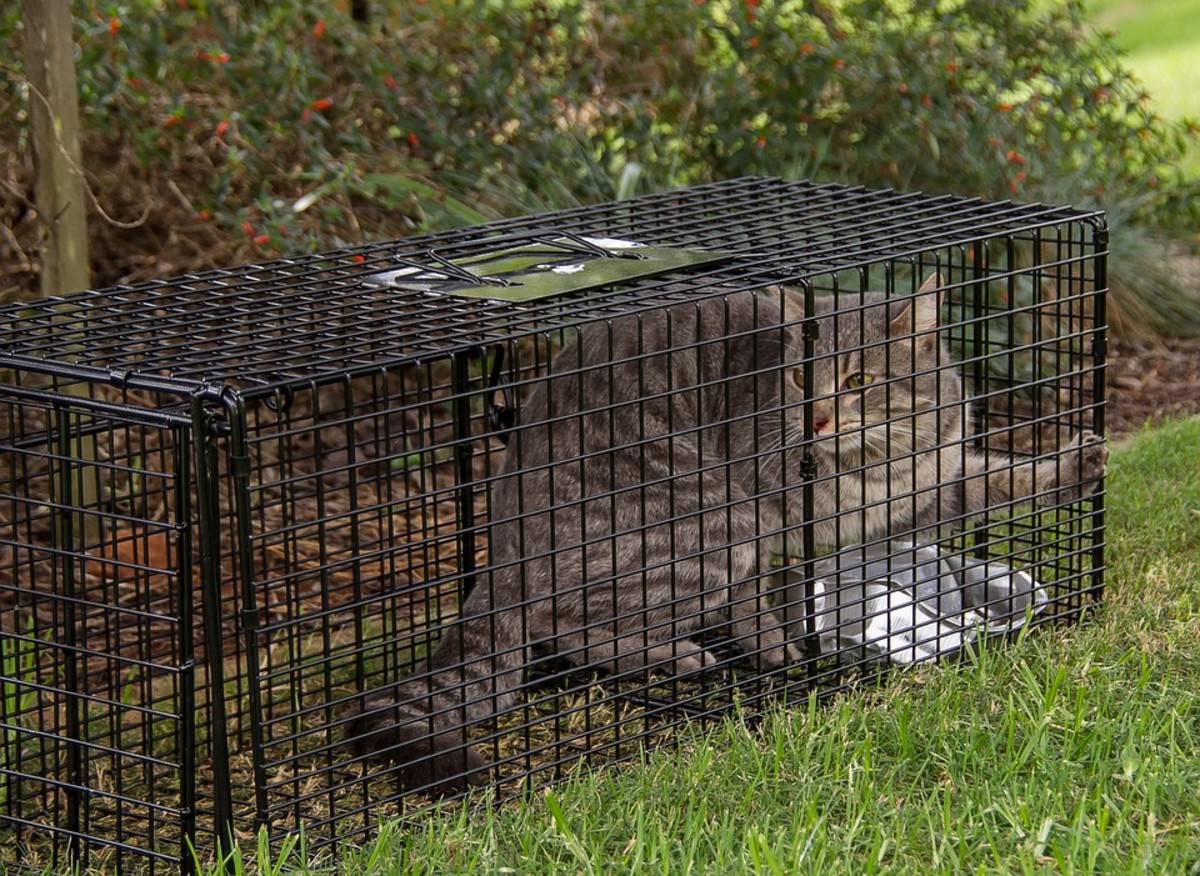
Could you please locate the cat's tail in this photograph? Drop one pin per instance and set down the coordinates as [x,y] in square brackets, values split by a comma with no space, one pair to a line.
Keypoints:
[421,723]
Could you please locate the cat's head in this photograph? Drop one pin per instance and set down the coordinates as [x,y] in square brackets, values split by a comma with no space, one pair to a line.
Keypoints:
[880,376]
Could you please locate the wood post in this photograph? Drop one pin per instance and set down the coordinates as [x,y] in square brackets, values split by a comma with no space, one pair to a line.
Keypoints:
[60,197]
[54,113]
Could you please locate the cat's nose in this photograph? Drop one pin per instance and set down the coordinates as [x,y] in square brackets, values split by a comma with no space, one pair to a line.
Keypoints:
[820,421]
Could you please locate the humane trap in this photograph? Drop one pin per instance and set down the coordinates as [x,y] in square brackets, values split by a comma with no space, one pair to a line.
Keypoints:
[314,541]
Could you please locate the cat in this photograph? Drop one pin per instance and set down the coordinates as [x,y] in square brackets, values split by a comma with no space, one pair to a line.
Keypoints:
[651,478]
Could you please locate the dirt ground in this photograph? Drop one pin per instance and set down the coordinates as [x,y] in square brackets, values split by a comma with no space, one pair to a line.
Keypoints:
[1151,381]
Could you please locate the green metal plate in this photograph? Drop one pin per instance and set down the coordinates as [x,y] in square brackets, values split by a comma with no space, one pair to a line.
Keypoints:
[544,267]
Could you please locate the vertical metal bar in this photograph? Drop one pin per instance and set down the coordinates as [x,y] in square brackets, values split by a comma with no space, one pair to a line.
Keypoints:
[461,384]
[1037,312]
[1099,354]
[322,528]
[208,516]
[238,455]
[977,536]
[322,521]
[186,734]
[1010,359]
[978,295]
[360,660]
[65,512]
[1100,341]
[810,331]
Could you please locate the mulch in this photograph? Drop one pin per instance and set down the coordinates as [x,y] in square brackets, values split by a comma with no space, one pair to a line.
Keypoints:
[1150,381]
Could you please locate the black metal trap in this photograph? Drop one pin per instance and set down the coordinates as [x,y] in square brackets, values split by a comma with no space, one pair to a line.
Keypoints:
[303,543]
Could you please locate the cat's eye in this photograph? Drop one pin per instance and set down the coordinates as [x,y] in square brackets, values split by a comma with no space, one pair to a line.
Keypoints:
[798,377]
[858,380]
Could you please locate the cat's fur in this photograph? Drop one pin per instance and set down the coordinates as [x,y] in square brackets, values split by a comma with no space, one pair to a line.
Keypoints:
[653,474]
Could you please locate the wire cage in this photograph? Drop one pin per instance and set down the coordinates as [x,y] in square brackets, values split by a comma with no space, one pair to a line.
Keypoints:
[303,543]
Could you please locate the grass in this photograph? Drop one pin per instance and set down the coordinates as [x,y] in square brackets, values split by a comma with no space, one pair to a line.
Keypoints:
[1073,750]
[1162,38]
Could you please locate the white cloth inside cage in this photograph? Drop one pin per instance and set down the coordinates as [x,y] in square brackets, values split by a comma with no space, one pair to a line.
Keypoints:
[908,603]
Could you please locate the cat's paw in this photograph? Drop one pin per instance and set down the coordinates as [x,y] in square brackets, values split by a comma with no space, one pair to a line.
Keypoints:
[1093,457]
[778,656]
[693,663]
[682,657]
[1078,470]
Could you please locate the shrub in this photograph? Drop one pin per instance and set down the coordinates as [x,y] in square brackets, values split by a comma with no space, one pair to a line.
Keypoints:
[293,128]
[208,142]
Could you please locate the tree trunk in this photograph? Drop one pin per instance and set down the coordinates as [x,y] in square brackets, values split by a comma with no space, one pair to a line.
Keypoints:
[54,113]
[59,194]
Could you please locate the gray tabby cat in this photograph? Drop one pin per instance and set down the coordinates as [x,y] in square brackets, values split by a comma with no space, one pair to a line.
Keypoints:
[651,479]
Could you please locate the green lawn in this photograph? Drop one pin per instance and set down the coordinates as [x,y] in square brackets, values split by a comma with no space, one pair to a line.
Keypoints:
[1162,38]
[1075,750]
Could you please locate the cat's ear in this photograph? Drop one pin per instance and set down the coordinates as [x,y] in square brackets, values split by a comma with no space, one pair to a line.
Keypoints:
[928,302]
[933,283]
[919,314]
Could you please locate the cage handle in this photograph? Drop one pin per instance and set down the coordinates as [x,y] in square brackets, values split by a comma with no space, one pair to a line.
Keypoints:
[455,272]
[503,416]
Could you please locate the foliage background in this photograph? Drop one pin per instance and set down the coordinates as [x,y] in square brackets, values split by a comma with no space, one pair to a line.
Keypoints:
[214,139]
[219,132]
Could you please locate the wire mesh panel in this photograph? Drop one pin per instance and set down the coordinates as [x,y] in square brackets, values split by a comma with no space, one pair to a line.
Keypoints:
[305,543]
[99,684]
